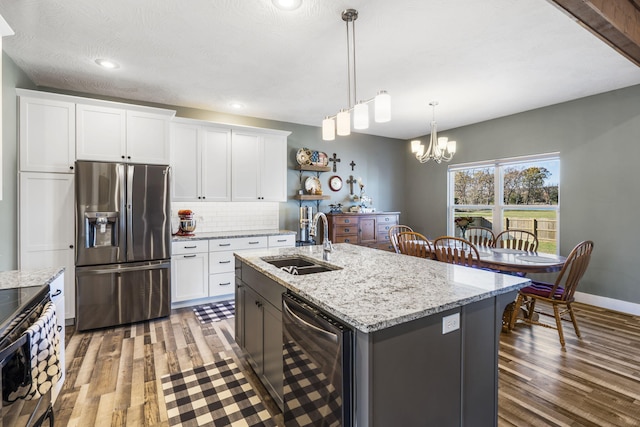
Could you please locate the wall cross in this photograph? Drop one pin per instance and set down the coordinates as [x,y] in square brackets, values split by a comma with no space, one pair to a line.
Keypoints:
[335,161]
[352,164]
[351,181]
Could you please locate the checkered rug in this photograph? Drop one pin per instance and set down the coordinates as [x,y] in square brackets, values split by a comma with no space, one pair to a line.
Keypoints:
[215,312]
[217,394]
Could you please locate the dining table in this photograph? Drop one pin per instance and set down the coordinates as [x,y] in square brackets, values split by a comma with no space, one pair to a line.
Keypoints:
[508,260]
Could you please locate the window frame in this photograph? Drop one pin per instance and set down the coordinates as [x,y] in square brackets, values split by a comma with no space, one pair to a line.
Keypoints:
[499,206]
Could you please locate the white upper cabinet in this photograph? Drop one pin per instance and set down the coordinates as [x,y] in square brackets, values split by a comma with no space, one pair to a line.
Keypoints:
[47,132]
[101,133]
[148,137]
[113,133]
[259,166]
[200,162]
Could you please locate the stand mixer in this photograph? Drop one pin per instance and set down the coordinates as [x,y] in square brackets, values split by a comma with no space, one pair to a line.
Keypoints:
[187,223]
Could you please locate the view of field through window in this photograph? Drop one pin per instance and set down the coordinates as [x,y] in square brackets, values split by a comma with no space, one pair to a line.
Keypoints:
[523,196]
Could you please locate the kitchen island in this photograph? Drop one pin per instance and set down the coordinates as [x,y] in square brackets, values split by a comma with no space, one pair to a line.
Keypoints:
[407,370]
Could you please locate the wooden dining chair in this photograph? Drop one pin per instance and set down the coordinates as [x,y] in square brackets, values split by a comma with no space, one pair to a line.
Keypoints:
[517,239]
[394,230]
[455,250]
[414,244]
[480,236]
[558,294]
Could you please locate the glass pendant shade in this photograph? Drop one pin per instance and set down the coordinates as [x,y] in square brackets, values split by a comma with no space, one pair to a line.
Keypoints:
[451,147]
[420,151]
[382,103]
[343,123]
[442,143]
[328,129]
[415,145]
[361,116]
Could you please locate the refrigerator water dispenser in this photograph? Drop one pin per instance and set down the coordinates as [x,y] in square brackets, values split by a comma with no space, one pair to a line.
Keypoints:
[101,229]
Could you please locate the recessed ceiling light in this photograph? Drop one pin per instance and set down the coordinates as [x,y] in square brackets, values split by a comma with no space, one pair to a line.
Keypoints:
[105,63]
[236,105]
[287,4]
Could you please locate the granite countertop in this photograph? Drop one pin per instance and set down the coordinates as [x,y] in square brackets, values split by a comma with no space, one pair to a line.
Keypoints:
[27,278]
[232,234]
[376,289]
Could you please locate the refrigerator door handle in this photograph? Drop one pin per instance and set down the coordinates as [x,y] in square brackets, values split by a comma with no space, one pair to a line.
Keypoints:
[128,210]
[120,269]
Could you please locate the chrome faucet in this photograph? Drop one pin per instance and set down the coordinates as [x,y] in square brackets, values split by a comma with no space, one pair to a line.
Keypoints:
[326,243]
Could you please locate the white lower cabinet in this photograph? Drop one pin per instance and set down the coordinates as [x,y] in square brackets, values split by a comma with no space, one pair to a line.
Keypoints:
[222,261]
[46,227]
[189,270]
[206,268]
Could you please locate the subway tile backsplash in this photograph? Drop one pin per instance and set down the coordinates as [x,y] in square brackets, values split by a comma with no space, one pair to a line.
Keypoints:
[214,217]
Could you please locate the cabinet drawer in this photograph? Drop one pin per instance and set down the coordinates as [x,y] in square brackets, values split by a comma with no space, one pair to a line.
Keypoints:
[386,246]
[383,227]
[282,240]
[347,230]
[383,238]
[189,247]
[353,239]
[221,262]
[221,284]
[239,243]
[387,219]
[344,220]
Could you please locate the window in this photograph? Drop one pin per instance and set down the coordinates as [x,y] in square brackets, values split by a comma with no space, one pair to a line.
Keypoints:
[520,193]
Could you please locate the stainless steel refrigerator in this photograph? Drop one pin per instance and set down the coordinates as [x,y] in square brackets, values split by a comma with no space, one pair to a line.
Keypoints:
[123,243]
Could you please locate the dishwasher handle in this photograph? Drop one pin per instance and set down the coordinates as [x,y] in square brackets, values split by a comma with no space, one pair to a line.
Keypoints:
[289,312]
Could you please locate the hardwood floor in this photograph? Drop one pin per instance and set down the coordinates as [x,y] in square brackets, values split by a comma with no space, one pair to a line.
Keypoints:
[113,375]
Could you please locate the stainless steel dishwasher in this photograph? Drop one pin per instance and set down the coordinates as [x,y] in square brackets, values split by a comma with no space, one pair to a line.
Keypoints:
[318,366]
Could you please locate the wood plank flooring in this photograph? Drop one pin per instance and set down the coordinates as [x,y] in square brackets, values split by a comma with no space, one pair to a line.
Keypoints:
[113,375]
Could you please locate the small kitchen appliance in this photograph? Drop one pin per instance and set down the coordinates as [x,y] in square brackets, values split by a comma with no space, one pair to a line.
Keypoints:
[306,215]
[187,223]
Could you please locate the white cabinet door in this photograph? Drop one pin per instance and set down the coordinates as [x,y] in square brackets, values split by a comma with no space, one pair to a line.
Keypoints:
[189,276]
[215,156]
[47,135]
[185,163]
[201,163]
[101,133]
[46,227]
[245,166]
[148,138]
[114,134]
[273,171]
[259,167]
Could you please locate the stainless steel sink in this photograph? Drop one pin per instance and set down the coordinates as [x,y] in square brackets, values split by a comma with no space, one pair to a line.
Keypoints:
[289,261]
[298,265]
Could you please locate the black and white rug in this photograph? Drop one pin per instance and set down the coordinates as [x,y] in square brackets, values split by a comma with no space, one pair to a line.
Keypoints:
[215,312]
[217,394]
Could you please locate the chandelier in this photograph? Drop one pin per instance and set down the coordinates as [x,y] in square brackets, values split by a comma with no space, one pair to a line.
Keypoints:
[341,122]
[439,148]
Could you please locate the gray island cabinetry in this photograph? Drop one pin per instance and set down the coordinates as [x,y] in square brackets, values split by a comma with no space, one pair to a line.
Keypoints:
[426,334]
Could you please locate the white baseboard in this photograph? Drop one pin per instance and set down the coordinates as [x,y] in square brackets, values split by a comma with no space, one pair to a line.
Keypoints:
[608,303]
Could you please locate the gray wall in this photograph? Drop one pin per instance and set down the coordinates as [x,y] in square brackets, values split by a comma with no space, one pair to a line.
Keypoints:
[598,138]
[12,77]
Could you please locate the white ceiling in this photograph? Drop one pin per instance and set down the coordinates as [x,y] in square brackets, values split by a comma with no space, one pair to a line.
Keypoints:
[479,59]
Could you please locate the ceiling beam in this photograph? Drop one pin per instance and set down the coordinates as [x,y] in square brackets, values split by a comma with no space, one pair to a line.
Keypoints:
[617,22]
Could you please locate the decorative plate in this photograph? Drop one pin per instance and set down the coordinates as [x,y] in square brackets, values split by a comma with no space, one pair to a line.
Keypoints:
[312,185]
[303,156]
